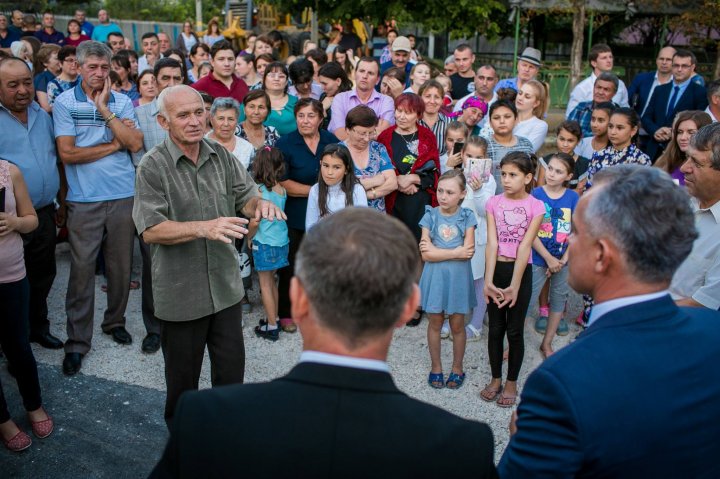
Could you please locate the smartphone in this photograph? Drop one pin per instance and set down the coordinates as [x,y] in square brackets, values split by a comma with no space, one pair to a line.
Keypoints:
[458,147]
[479,168]
[2,200]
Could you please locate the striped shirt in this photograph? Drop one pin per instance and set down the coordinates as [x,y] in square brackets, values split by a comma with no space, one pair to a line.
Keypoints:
[109,178]
[439,129]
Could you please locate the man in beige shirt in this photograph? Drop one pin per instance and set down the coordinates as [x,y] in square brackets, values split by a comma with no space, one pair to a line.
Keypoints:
[189,192]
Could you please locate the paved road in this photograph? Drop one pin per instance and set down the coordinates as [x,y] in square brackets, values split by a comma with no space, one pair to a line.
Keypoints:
[109,417]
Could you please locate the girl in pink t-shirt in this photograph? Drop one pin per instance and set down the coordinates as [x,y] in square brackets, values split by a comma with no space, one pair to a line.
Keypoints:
[513,220]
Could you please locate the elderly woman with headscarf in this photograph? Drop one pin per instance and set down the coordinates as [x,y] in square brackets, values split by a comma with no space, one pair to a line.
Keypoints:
[471,114]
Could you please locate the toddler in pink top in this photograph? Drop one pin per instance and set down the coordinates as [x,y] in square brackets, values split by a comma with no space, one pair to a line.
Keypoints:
[513,221]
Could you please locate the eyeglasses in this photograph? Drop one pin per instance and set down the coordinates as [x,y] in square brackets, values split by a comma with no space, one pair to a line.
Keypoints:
[367,135]
[71,60]
[682,67]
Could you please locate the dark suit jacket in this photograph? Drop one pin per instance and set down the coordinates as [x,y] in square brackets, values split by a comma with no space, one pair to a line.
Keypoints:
[693,98]
[637,395]
[639,90]
[321,421]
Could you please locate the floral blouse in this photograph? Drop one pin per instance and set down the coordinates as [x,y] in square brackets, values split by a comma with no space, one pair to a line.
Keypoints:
[609,156]
[378,161]
[271,134]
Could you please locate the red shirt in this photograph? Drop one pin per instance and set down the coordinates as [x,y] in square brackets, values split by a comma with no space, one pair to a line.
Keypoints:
[217,89]
[74,43]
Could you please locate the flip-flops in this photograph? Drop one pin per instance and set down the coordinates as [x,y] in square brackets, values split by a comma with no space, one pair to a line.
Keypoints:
[506,401]
[492,394]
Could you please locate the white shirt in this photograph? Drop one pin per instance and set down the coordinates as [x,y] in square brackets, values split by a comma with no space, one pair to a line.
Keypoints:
[712,117]
[584,148]
[698,277]
[244,152]
[344,361]
[335,202]
[601,309]
[534,129]
[583,91]
[143,63]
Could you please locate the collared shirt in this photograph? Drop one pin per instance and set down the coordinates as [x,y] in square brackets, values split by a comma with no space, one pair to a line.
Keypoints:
[601,309]
[217,89]
[344,361]
[143,63]
[699,275]
[712,117]
[439,130]
[55,37]
[10,36]
[382,105]
[682,87]
[303,166]
[583,115]
[200,277]
[109,178]
[583,91]
[31,148]
[153,133]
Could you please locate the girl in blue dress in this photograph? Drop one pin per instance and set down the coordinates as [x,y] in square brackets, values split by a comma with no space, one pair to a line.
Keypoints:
[447,245]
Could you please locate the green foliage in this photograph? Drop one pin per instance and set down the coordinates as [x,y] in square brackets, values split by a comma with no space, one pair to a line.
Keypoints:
[161,10]
[462,18]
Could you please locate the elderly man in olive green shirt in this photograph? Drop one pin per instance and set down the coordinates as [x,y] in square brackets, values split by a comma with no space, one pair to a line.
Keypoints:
[189,191]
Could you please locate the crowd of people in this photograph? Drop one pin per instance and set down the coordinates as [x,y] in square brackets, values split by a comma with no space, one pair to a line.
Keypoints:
[219,162]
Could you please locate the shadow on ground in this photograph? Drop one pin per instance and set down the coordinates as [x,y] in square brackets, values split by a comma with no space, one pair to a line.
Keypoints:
[102,428]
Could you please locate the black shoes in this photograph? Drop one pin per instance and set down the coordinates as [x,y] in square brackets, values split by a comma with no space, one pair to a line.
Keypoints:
[120,335]
[72,363]
[151,343]
[46,340]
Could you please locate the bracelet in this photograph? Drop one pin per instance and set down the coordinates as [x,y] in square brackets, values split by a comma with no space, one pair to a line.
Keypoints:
[110,118]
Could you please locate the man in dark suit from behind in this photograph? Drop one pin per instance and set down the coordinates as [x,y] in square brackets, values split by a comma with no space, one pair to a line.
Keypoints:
[667,100]
[338,412]
[636,394]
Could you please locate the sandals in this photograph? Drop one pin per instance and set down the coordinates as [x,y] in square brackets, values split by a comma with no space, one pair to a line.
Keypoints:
[455,381]
[288,325]
[436,380]
[506,401]
[490,395]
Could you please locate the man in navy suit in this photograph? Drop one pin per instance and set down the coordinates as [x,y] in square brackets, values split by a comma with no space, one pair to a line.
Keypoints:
[671,98]
[644,84]
[337,413]
[636,394]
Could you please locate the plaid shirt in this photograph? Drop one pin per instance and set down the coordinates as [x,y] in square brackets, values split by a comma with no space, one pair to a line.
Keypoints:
[583,114]
[153,134]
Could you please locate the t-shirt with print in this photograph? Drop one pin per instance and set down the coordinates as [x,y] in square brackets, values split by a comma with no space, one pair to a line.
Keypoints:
[461,86]
[512,219]
[556,223]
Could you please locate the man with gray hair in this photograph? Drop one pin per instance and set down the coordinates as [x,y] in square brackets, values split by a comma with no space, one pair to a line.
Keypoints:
[633,396]
[342,415]
[713,97]
[96,132]
[189,193]
[605,87]
[697,282]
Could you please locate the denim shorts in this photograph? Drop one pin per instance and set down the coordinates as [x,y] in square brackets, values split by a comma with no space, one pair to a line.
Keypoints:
[269,258]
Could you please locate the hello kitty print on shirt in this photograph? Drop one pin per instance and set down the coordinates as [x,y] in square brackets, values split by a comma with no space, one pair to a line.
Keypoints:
[512,219]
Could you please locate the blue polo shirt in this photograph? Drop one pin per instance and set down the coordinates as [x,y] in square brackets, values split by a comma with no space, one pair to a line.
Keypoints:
[109,178]
[303,166]
[31,148]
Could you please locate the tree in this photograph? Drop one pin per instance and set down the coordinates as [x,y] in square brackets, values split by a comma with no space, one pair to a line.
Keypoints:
[700,23]
[578,28]
[461,18]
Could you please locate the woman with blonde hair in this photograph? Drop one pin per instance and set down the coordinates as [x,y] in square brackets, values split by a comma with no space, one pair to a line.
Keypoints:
[532,103]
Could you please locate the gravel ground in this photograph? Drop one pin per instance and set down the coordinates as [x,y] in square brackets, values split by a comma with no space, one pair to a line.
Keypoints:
[409,359]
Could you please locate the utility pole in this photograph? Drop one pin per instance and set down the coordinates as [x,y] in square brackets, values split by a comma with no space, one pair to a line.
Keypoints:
[198,15]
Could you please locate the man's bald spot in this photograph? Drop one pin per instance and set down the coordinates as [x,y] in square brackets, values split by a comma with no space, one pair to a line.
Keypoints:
[167,95]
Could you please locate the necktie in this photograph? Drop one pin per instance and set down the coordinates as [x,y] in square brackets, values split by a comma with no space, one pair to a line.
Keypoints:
[673,100]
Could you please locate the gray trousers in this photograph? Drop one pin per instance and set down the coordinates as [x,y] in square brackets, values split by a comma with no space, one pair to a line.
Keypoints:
[87,223]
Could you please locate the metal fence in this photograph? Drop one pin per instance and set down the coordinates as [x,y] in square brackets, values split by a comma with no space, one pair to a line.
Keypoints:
[133,29]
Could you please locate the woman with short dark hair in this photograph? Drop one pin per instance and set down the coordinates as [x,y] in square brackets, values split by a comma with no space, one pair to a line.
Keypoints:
[373,166]
[256,107]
